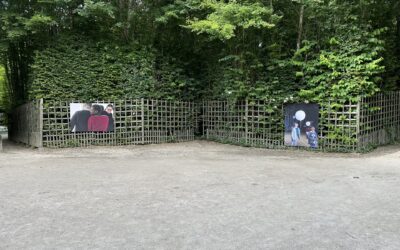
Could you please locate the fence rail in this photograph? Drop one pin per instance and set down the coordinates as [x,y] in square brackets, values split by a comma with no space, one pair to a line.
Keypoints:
[352,127]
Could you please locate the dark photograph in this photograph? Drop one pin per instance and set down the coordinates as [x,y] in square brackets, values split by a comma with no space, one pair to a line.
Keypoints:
[301,125]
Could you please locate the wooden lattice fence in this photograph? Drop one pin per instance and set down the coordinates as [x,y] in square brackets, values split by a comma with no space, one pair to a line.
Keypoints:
[26,124]
[379,120]
[346,128]
[136,122]
[253,123]
[339,127]
[351,127]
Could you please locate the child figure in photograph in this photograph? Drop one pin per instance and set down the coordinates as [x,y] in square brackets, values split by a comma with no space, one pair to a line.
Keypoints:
[313,138]
[295,134]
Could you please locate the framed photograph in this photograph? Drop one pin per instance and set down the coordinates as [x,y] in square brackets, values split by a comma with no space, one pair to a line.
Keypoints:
[301,125]
[92,117]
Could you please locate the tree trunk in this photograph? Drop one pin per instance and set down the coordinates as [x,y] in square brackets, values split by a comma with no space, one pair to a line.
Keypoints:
[398,36]
[398,47]
[300,32]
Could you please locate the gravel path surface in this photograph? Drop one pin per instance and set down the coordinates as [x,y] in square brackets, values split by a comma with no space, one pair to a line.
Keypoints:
[198,195]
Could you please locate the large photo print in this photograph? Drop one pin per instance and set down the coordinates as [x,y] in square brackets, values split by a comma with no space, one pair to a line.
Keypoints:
[301,125]
[92,117]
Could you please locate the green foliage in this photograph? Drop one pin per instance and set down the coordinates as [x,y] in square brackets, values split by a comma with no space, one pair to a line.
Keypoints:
[179,9]
[82,69]
[228,18]
[3,90]
[187,49]
[96,16]
[346,70]
[96,9]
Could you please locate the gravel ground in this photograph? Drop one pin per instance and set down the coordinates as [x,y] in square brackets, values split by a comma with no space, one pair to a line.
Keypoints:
[198,195]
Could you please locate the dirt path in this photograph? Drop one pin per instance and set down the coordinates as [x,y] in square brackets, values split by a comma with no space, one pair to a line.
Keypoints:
[198,195]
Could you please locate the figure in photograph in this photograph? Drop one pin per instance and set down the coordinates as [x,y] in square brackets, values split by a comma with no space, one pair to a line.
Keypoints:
[109,111]
[79,121]
[313,138]
[295,134]
[307,128]
[98,121]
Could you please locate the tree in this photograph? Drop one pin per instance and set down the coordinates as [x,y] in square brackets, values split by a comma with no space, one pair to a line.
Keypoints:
[262,49]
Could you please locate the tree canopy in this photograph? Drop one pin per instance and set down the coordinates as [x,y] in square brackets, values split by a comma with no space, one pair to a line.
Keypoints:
[314,50]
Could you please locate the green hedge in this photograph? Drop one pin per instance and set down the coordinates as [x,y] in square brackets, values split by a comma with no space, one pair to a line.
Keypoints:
[80,69]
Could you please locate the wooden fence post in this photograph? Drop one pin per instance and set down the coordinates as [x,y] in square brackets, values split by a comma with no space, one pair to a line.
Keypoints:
[40,143]
[142,121]
[246,119]
[358,124]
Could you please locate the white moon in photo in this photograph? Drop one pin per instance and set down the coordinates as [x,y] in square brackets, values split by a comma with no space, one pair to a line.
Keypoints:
[300,115]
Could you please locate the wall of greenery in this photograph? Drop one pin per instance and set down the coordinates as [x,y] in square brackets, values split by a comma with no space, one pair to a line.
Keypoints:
[302,50]
[80,68]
